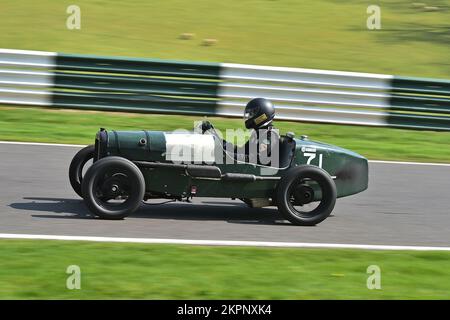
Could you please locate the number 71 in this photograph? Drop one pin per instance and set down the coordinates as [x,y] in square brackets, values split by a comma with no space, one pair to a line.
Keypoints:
[312,156]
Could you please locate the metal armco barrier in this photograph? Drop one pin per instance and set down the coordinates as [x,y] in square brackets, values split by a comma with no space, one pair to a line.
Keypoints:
[144,85]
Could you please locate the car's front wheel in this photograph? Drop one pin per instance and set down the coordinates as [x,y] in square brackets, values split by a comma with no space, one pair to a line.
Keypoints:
[306,195]
[113,188]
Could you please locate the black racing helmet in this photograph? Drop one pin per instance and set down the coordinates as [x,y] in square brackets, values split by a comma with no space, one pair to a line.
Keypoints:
[259,112]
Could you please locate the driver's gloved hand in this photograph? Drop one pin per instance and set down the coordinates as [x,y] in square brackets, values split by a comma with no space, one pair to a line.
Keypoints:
[206,125]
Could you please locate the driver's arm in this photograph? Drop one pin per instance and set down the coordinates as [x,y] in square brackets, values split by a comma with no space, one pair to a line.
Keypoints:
[228,146]
[206,125]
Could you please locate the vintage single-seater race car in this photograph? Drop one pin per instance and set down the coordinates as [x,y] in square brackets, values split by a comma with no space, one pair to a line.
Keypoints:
[130,167]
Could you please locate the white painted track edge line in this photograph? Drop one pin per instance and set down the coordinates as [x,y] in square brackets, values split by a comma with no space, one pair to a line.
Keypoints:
[223,242]
[43,144]
[411,163]
[81,146]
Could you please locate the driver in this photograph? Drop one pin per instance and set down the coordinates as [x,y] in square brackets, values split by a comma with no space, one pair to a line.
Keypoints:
[258,116]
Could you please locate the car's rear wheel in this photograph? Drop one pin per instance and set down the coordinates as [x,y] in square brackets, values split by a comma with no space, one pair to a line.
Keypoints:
[113,188]
[306,195]
[77,167]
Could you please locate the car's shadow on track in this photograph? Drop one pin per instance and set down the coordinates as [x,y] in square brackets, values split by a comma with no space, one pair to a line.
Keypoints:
[65,208]
[231,212]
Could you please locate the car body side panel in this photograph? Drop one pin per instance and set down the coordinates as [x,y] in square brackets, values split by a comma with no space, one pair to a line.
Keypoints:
[348,169]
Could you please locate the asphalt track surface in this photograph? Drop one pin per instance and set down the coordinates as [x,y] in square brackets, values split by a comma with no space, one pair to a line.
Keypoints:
[406,204]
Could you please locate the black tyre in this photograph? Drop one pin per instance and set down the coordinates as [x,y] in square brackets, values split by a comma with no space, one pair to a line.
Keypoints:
[113,188]
[306,195]
[77,165]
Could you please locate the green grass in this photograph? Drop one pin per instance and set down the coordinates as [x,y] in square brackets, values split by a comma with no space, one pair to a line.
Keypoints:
[324,34]
[37,270]
[68,126]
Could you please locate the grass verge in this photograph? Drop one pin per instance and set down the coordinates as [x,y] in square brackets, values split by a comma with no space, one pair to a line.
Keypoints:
[321,34]
[37,270]
[79,127]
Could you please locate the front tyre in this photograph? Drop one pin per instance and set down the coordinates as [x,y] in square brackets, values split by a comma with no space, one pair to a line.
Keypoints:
[113,188]
[306,195]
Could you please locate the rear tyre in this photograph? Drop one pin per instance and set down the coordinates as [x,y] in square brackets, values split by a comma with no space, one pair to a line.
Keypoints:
[306,195]
[113,188]
[76,167]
